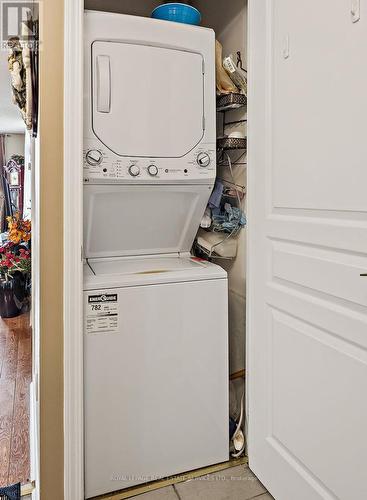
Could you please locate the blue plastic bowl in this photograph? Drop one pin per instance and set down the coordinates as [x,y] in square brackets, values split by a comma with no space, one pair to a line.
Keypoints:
[177,12]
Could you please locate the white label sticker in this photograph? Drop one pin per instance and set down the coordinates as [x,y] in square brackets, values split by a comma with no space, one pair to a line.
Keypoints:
[228,65]
[101,315]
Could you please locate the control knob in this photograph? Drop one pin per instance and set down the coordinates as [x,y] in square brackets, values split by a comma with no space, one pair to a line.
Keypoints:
[134,170]
[93,157]
[153,170]
[203,159]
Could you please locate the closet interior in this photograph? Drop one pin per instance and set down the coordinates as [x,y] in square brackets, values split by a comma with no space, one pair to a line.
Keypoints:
[221,238]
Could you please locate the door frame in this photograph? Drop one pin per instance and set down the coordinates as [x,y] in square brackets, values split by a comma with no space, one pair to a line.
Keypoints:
[73,256]
[73,251]
[34,400]
[257,156]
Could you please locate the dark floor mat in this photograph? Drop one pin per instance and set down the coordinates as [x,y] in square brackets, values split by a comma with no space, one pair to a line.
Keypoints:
[10,492]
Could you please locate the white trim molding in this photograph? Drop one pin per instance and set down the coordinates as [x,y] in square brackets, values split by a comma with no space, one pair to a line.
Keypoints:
[35,320]
[73,239]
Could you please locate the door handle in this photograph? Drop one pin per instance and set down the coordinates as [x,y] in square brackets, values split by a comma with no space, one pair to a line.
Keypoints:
[363,274]
[103,84]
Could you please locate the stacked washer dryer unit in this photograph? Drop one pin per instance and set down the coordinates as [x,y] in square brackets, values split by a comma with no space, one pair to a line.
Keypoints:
[155,362]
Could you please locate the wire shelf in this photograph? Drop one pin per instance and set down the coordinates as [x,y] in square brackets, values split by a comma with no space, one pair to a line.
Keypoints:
[226,102]
[232,143]
[211,253]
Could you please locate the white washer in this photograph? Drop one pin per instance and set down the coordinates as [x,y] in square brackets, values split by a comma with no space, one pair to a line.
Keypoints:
[155,337]
[156,373]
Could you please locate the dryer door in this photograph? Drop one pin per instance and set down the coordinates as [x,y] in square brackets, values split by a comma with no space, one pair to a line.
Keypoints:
[141,219]
[147,101]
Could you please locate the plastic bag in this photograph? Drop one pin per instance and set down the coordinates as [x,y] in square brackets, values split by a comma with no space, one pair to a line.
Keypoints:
[237,75]
[224,83]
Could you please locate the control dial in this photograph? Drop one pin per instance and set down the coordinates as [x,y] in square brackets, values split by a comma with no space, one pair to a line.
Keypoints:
[134,170]
[152,170]
[93,157]
[203,159]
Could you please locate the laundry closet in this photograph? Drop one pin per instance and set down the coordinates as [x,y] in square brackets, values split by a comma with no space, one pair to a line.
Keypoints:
[155,301]
[171,167]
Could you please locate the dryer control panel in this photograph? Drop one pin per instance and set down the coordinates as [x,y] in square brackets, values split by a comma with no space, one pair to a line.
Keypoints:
[103,166]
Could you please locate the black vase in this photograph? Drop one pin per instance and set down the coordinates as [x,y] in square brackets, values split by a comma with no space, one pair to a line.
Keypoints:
[13,293]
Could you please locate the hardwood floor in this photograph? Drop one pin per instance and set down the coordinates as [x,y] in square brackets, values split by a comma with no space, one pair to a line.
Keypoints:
[15,378]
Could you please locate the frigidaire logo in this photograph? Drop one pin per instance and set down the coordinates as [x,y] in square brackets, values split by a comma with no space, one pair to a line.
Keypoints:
[92,299]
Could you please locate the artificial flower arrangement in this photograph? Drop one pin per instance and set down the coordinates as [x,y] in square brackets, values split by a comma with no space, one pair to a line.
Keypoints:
[15,255]
[14,259]
[19,229]
[15,268]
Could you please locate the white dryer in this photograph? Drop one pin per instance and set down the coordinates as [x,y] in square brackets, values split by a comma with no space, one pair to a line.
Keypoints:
[149,100]
[155,336]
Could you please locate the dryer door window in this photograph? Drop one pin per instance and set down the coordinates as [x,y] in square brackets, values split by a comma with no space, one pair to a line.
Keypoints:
[147,101]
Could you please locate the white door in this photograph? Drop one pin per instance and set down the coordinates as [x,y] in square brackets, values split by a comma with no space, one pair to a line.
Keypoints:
[307,328]
[147,101]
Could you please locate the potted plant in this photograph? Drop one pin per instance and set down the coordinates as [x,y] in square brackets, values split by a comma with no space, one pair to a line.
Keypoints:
[15,267]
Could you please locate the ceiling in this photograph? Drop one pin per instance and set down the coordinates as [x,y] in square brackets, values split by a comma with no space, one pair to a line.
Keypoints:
[10,118]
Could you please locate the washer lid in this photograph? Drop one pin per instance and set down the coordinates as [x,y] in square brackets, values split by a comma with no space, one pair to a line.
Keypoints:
[122,220]
[148,101]
[126,271]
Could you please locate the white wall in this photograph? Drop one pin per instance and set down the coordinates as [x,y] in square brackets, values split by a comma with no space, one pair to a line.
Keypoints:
[14,145]
[10,116]
[28,162]
[228,19]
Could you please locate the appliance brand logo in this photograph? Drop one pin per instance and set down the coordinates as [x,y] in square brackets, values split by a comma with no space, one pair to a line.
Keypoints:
[104,297]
